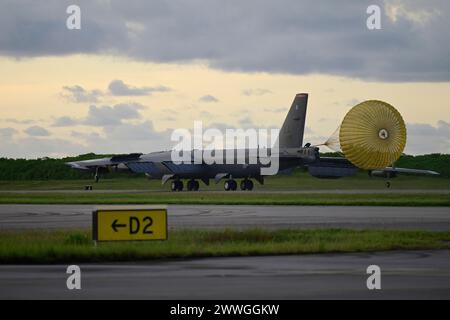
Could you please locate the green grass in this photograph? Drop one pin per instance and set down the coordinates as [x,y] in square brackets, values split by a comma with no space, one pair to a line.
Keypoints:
[76,246]
[297,181]
[230,198]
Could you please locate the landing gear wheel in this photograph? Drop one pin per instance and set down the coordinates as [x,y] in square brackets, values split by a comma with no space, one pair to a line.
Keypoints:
[230,185]
[193,185]
[246,184]
[196,185]
[176,185]
[388,184]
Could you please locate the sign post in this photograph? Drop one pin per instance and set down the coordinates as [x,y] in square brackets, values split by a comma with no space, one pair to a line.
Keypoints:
[129,223]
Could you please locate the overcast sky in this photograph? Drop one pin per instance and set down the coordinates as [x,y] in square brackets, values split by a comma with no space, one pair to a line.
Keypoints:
[138,69]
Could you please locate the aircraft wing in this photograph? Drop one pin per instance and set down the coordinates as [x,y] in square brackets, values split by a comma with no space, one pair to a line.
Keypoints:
[104,162]
[335,167]
[394,171]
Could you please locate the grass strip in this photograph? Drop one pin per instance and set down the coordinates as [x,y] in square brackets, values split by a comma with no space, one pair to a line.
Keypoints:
[388,199]
[39,247]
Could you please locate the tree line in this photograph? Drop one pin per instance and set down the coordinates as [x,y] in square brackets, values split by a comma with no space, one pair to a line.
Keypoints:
[56,169]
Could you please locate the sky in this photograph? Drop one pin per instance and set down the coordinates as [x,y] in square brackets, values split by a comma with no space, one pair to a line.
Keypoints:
[137,70]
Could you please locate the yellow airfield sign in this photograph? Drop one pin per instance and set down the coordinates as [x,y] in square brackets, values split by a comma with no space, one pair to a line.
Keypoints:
[120,223]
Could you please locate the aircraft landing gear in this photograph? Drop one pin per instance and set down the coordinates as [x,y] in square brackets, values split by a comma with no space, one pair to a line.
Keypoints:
[230,185]
[247,184]
[96,176]
[193,185]
[176,185]
[388,184]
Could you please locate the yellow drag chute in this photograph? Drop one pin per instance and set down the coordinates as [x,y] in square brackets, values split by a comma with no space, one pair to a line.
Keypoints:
[372,135]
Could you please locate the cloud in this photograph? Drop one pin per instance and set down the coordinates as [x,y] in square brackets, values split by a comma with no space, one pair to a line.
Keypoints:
[276,110]
[220,126]
[65,121]
[37,131]
[78,94]
[347,103]
[287,36]
[85,135]
[168,118]
[246,122]
[205,114]
[36,147]
[119,88]
[112,115]
[397,10]
[208,98]
[7,133]
[17,121]
[119,138]
[126,137]
[426,138]
[103,115]
[255,92]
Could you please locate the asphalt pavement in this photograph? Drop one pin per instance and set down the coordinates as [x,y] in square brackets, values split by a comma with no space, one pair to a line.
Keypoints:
[240,216]
[403,275]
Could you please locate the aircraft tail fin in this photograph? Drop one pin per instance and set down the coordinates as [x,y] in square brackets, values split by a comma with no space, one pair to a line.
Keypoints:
[291,133]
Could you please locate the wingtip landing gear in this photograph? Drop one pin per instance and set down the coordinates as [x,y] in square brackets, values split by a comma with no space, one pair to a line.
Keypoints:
[96,176]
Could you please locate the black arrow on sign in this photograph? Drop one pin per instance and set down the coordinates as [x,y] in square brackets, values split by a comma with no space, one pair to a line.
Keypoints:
[116,225]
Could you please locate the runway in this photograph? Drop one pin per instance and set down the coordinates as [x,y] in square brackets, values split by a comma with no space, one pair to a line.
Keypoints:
[404,275]
[240,216]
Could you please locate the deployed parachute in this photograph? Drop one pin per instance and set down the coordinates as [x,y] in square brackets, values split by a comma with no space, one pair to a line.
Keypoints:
[371,136]
[333,141]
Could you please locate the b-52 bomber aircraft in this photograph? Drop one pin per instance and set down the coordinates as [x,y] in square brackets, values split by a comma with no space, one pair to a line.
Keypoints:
[372,137]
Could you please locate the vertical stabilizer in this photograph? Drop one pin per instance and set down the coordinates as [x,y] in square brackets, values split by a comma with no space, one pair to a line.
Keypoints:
[291,133]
